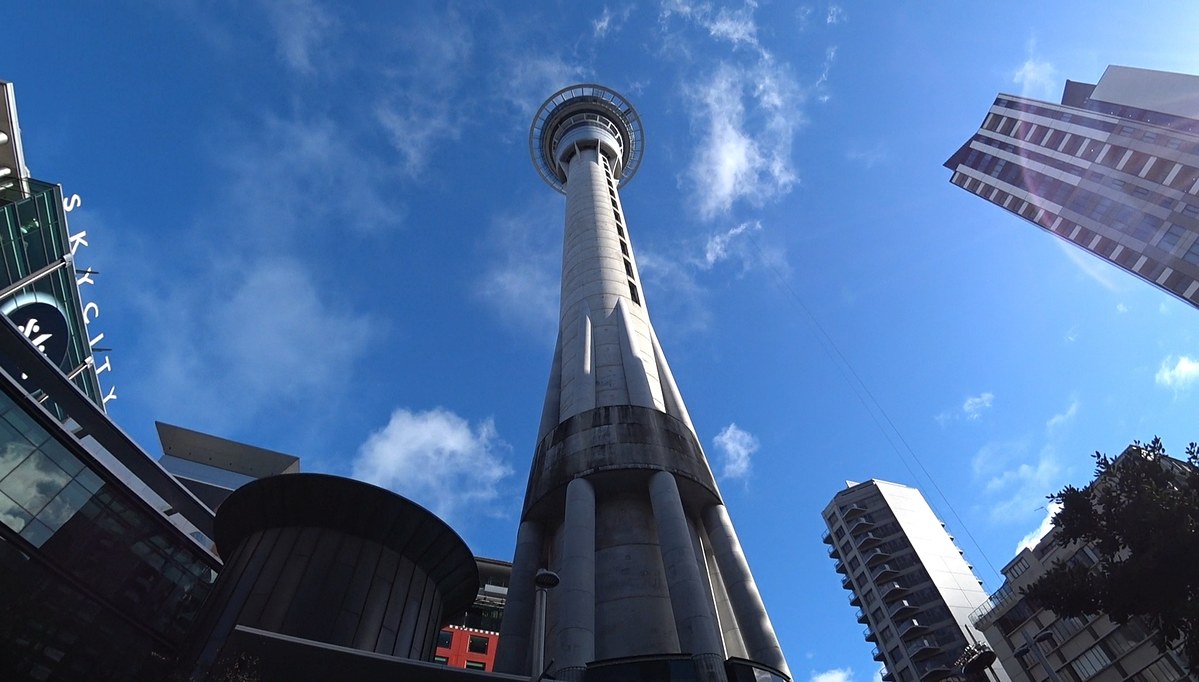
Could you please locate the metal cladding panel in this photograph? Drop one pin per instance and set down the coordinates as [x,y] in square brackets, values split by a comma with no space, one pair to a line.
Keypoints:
[1176,94]
[336,561]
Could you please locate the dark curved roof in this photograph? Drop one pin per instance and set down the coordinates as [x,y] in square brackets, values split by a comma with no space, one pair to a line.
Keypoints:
[362,510]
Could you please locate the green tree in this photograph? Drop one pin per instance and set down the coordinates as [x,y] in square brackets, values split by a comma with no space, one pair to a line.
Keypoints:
[1141,514]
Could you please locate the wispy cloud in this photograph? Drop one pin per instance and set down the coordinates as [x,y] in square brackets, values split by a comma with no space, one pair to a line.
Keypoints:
[1036,77]
[749,107]
[303,29]
[971,409]
[834,675]
[524,268]
[1177,373]
[974,405]
[835,14]
[736,448]
[1015,483]
[745,119]
[1029,541]
[437,459]
[610,22]
[1121,308]
[722,246]
[1063,418]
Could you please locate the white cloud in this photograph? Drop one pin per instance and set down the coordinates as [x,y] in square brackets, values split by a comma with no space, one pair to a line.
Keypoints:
[437,459]
[1036,77]
[834,675]
[719,246]
[1042,530]
[302,29]
[1180,376]
[1121,308]
[265,332]
[1013,483]
[610,22]
[974,405]
[736,448]
[746,117]
[1058,420]
[835,14]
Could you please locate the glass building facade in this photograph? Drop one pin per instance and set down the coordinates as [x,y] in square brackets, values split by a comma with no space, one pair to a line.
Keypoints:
[38,288]
[1112,169]
[95,583]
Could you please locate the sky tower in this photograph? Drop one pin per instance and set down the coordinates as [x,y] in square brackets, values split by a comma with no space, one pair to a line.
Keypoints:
[621,502]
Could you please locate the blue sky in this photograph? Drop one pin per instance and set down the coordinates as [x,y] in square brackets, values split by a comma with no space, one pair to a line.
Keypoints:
[318,231]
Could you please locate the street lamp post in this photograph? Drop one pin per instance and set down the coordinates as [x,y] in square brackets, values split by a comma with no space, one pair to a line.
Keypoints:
[544,581]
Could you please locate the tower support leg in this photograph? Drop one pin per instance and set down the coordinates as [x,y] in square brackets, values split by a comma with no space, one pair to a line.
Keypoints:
[761,642]
[693,612]
[515,628]
[574,647]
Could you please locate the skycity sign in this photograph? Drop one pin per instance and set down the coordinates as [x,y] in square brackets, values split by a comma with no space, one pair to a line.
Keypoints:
[91,309]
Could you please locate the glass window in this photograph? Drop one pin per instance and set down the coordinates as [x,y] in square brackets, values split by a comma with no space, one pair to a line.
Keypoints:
[1170,239]
[444,639]
[1190,210]
[477,645]
[1091,662]
[1192,254]
[441,659]
[1149,137]
[476,665]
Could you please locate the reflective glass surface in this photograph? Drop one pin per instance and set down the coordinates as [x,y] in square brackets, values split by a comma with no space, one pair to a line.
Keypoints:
[94,585]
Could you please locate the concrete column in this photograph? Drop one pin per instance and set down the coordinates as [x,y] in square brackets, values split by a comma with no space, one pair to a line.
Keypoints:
[698,630]
[761,643]
[574,599]
[515,629]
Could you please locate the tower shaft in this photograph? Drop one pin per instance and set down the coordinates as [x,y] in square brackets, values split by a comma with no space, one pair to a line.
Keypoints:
[621,502]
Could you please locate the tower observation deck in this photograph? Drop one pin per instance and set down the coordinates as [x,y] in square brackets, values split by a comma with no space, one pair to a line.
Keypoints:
[621,502]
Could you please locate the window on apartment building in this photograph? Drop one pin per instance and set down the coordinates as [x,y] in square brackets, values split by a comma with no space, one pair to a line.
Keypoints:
[1149,137]
[1145,229]
[1091,661]
[444,639]
[476,665]
[441,659]
[1162,670]
[1126,131]
[477,645]
[1170,239]
[1192,254]
[1190,210]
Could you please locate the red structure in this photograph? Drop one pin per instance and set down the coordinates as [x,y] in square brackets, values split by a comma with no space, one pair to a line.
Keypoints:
[462,647]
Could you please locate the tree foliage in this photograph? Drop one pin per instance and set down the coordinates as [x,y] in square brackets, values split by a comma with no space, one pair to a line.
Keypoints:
[1141,514]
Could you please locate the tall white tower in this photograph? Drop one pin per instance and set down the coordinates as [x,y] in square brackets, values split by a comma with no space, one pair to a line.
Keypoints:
[621,502]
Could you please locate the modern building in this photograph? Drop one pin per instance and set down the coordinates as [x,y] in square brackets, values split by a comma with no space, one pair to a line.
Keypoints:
[1034,644]
[471,639]
[39,281]
[621,502]
[913,588]
[104,558]
[1113,169]
[213,467]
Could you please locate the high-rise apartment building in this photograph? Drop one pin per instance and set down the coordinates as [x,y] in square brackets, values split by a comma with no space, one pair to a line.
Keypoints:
[913,589]
[1113,168]
[621,503]
[1034,644]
